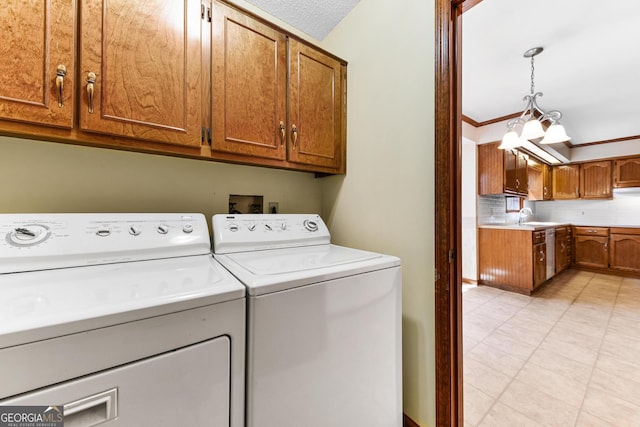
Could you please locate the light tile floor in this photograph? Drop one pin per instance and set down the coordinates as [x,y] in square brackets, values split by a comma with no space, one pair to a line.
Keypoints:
[567,356]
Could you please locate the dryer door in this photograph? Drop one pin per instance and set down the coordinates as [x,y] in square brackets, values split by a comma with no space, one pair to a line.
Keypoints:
[187,387]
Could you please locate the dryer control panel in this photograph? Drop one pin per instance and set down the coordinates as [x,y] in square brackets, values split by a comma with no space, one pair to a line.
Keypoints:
[31,242]
[251,232]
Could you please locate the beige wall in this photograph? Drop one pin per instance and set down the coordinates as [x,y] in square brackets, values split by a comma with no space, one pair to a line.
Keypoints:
[40,176]
[385,202]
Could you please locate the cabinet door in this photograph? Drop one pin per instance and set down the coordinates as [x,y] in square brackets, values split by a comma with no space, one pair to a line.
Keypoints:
[142,62]
[566,182]
[490,169]
[560,249]
[547,182]
[249,85]
[596,180]
[627,172]
[37,40]
[625,252]
[510,171]
[592,251]
[539,264]
[315,107]
[522,175]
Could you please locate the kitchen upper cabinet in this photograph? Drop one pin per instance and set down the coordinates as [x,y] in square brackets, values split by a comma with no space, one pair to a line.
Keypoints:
[566,182]
[596,180]
[38,68]
[591,247]
[626,172]
[625,249]
[501,171]
[141,69]
[249,85]
[539,181]
[275,97]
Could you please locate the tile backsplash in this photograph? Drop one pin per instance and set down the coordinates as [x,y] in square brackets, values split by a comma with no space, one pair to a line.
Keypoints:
[623,209]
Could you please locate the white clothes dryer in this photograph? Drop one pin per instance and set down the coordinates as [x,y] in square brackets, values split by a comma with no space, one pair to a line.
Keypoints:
[323,323]
[124,319]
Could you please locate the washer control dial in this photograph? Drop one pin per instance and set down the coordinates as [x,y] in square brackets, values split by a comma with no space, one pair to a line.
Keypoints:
[163,229]
[28,235]
[310,225]
[135,230]
[187,228]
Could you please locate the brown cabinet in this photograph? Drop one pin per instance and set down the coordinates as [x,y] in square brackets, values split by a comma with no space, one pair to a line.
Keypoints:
[501,171]
[275,97]
[509,259]
[37,67]
[591,247]
[596,180]
[563,250]
[566,182]
[140,70]
[539,258]
[626,172]
[625,249]
[143,76]
[539,181]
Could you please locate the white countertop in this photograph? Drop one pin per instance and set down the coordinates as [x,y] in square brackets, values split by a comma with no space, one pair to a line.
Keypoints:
[527,226]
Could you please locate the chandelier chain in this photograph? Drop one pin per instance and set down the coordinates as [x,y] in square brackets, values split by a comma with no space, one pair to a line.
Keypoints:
[532,70]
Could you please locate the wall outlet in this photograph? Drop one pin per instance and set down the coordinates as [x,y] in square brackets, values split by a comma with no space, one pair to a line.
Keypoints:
[274,208]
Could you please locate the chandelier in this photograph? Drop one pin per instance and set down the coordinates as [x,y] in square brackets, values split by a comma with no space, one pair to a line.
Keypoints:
[532,118]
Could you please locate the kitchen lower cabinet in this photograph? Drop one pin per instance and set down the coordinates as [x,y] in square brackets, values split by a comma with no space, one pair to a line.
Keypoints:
[625,249]
[591,247]
[563,250]
[38,62]
[514,260]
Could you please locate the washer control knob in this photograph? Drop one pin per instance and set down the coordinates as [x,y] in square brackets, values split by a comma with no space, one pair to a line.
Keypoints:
[233,227]
[268,227]
[135,230]
[310,225]
[283,226]
[163,229]
[103,232]
[252,227]
[187,228]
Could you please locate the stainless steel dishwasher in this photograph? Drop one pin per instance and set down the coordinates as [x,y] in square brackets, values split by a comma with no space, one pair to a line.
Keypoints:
[550,240]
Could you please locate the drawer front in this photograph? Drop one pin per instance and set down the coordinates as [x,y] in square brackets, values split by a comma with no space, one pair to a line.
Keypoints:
[592,231]
[625,230]
[538,237]
[561,232]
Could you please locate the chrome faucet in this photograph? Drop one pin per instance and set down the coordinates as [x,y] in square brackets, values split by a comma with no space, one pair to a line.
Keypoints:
[523,213]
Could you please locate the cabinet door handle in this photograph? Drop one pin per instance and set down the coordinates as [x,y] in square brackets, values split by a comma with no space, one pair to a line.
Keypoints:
[606,246]
[61,71]
[282,133]
[541,256]
[91,79]
[294,132]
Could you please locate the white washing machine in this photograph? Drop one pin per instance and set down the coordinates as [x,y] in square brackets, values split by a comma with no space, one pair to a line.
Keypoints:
[123,319]
[323,323]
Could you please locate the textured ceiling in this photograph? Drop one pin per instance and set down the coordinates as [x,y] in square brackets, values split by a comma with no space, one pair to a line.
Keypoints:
[314,17]
[588,70]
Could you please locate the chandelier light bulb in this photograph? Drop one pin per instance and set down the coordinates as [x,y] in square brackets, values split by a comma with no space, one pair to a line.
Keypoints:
[555,133]
[510,140]
[532,129]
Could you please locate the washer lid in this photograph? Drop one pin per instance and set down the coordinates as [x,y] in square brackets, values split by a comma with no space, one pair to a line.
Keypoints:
[44,304]
[279,269]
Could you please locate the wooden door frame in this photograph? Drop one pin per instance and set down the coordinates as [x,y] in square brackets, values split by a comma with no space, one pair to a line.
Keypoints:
[448,263]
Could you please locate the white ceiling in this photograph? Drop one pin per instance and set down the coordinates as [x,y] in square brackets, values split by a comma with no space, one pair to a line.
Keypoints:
[588,70]
[314,17]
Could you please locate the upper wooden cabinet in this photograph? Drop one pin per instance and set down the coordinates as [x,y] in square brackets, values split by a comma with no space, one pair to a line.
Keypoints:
[273,96]
[566,182]
[249,86]
[38,68]
[596,180]
[501,171]
[141,69]
[539,181]
[626,172]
